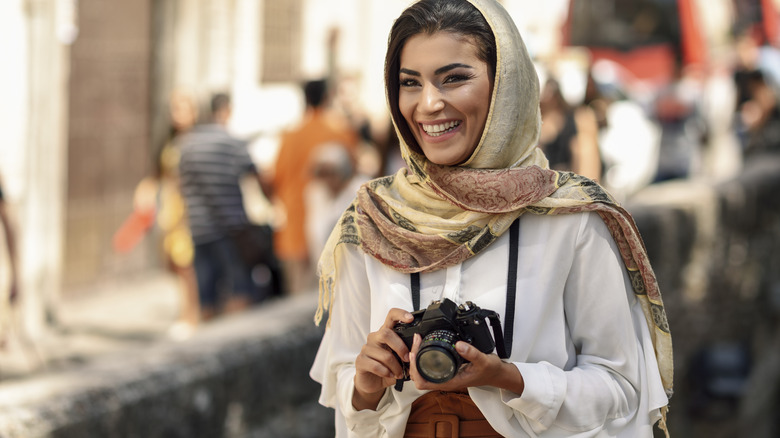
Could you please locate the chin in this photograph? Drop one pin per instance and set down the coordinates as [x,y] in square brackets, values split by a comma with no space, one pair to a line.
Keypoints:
[446,162]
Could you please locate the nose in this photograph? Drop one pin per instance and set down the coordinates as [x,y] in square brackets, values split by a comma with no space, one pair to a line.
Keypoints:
[431,99]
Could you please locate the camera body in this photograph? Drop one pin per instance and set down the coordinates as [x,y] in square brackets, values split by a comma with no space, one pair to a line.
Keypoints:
[441,325]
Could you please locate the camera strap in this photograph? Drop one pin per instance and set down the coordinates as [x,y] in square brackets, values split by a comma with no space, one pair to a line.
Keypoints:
[511,287]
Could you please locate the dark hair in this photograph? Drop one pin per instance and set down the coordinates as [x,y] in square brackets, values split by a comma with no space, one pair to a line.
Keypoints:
[431,16]
[219,101]
[315,91]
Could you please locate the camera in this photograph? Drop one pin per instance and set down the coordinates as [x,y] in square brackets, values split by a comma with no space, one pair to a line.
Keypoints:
[441,325]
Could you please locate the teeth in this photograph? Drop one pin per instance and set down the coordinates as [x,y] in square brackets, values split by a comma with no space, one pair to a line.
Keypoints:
[437,130]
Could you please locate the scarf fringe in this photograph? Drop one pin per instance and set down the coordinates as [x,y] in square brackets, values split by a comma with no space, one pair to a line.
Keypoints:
[324,300]
[662,422]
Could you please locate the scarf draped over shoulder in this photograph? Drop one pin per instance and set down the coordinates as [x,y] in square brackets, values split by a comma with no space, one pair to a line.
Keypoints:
[428,217]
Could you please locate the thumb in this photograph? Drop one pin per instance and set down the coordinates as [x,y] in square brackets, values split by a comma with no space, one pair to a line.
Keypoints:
[468,352]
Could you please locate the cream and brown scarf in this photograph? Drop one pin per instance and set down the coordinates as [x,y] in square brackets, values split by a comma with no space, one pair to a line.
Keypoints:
[428,217]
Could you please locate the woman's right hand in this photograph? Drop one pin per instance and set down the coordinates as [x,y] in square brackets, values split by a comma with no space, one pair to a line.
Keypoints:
[376,367]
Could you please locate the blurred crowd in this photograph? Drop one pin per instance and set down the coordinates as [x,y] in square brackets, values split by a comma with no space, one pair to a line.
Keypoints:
[598,120]
[205,182]
[601,122]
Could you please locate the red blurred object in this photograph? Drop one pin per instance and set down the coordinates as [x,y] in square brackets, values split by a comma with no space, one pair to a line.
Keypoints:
[770,22]
[653,57]
[648,63]
[694,48]
[133,230]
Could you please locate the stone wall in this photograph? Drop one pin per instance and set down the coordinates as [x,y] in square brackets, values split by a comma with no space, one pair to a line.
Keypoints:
[714,249]
[715,253]
[238,377]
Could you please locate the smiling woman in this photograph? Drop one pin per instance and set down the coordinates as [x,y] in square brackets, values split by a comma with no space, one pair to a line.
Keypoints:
[479,220]
[445,103]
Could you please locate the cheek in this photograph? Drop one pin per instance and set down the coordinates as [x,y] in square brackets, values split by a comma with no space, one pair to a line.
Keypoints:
[406,106]
[479,105]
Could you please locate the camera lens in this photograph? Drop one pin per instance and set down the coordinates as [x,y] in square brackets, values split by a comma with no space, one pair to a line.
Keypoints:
[437,360]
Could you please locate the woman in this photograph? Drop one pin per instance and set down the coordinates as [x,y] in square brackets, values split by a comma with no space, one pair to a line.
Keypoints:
[569,135]
[159,197]
[479,217]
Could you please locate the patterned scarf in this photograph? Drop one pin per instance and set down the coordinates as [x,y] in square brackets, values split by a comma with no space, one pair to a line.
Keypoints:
[428,217]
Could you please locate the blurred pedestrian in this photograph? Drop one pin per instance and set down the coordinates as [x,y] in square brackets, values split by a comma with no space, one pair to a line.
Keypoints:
[759,116]
[212,165]
[17,347]
[158,200]
[677,109]
[628,139]
[334,183]
[755,75]
[172,214]
[292,174]
[569,136]
[7,302]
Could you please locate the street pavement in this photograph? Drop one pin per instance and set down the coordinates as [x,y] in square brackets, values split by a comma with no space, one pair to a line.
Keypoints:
[112,317]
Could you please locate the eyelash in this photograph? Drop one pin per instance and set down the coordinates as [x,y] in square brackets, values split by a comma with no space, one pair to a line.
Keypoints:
[457,78]
[447,80]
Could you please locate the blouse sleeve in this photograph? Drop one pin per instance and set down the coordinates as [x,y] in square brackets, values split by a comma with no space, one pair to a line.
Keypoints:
[334,366]
[607,385]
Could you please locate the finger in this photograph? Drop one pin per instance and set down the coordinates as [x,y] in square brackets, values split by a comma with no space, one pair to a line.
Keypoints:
[390,341]
[396,315]
[379,362]
[413,374]
[384,356]
[416,343]
[389,335]
[369,383]
[469,352]
[397,345]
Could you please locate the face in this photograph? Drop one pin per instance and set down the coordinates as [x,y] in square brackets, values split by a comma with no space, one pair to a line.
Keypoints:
[444,95]
[183,111]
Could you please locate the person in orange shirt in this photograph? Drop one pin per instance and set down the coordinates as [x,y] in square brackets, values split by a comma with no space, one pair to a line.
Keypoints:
[292,174]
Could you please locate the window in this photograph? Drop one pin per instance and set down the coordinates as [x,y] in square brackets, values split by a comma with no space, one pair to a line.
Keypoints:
[624,24]
[281,40]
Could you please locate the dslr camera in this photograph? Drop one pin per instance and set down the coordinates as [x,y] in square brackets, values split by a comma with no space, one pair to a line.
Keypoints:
[441,325]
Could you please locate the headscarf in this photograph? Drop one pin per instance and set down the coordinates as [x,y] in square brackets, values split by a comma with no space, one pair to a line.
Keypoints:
[428,217]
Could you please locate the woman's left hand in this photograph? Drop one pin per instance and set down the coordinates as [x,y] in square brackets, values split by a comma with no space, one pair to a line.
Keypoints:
[480,370]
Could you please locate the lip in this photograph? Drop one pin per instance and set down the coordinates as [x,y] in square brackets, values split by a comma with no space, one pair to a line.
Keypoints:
[440,138]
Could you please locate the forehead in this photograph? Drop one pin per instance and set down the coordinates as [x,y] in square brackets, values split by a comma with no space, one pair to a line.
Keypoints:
[424,48]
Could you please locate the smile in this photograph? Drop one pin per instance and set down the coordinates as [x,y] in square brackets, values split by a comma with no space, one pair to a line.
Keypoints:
[440,129]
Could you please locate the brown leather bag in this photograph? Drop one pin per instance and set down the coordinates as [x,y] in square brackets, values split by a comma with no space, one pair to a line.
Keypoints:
[440,414]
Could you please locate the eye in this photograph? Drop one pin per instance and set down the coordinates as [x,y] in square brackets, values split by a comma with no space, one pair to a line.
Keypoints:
[457,77]
[408,82]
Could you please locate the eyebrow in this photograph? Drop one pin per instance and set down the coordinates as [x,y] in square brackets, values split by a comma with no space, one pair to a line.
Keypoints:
[438,71]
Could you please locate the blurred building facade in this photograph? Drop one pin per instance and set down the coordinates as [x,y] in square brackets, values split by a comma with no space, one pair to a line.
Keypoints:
[86,92]
[85,108]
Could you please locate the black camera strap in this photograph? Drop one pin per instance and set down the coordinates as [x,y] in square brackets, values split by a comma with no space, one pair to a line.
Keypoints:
[511,288]
[511,285]
[416,290]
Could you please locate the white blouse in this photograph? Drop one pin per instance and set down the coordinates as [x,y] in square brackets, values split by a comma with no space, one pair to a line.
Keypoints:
[581,340]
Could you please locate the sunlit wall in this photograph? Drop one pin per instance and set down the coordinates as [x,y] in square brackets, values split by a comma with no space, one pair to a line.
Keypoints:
[13,85]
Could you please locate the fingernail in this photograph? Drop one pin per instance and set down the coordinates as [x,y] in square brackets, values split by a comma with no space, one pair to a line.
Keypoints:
[462,347]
